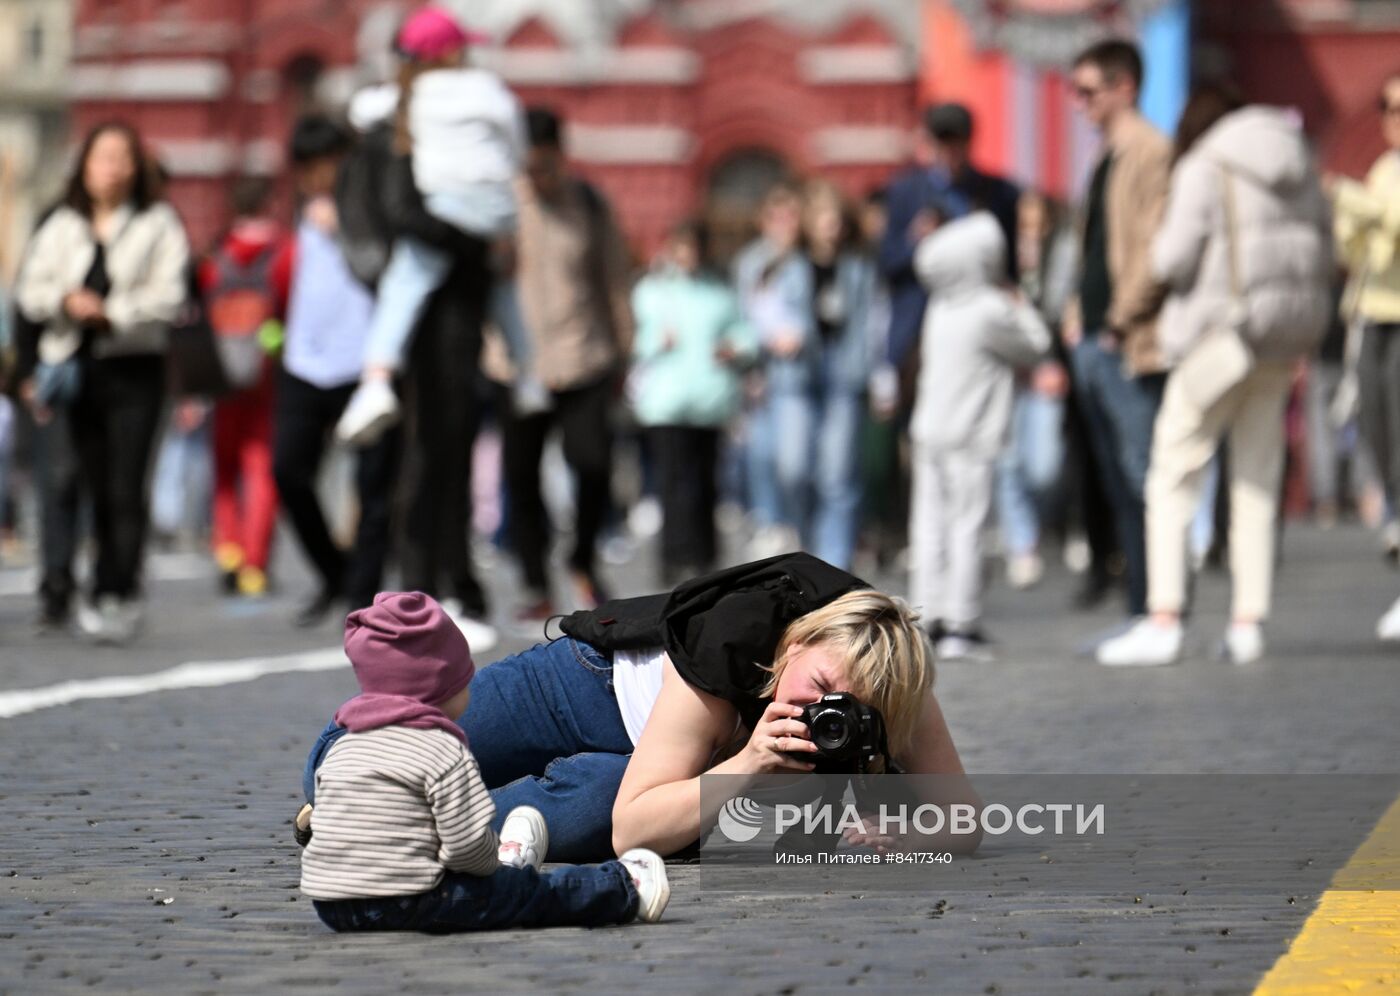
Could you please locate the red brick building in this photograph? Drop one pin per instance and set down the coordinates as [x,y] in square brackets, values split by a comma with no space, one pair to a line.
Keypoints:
[671,104]
[1327,58]
[675,104]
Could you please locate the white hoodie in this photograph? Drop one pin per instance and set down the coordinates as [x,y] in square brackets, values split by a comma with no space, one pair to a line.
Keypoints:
[975,336]
[467,128]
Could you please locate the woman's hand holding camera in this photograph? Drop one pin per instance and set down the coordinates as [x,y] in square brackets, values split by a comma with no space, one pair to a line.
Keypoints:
[776,737]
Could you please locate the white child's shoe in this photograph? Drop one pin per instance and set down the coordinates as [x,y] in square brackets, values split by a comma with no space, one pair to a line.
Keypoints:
[1243,643]
[524,838]
[1146,644]
[648,873]
[372,411]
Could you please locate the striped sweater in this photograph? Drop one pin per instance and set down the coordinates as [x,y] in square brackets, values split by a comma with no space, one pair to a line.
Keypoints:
[395,807]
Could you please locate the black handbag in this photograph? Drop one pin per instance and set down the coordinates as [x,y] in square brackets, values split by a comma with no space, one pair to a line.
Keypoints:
[194,365]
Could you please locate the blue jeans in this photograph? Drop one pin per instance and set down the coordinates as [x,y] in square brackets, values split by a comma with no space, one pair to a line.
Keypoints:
[815,452]
[184,480]
[545,730]
[415,270]
[576,896]
[1119,412]
[1029,472]
[760,474]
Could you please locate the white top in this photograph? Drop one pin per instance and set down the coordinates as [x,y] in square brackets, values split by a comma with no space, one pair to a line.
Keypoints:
[637,684]
[467,129]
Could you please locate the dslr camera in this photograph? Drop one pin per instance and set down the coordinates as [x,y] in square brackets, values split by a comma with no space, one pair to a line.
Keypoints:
[848,733]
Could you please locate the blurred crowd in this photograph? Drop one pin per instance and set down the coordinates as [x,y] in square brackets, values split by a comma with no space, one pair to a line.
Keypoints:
[448,359]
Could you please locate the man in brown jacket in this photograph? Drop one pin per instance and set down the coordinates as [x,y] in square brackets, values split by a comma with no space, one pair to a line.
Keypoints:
[1111,325]
[572,283]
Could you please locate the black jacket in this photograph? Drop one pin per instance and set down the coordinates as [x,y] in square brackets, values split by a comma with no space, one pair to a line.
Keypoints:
[721,629]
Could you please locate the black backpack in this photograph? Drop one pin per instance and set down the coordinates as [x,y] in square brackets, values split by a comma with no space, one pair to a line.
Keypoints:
[720,629]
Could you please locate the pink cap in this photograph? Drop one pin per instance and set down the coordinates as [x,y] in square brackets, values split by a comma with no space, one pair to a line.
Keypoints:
[431,33]
[406,645]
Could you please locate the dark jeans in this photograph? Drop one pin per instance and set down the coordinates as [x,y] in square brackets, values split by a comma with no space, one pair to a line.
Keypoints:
[687,465]
[577,896]
[114,424]
[1094,512]
[1379,389]
[582,417]
[305,415]
[57,480]
[544,727]
[441,418]
[1119,412]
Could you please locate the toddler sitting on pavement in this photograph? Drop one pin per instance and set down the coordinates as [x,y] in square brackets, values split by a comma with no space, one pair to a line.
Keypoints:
[401,834]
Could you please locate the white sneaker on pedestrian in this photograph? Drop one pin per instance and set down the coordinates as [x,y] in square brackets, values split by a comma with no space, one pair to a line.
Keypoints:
[1388,628]
[770,541]
[1146,644]
[1243,643]
[648,873]
[644,520]
[373,409]
[524,838]
[960,647]
[481,636]
[89,619]
[1024,571]
[109,620]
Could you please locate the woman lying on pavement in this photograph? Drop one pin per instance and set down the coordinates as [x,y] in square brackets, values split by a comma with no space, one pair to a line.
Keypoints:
[608,729]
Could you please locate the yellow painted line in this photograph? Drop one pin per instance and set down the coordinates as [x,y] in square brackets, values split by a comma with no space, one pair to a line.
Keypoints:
[1351,943]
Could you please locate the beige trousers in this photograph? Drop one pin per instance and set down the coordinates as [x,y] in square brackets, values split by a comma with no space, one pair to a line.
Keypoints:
[1184,441]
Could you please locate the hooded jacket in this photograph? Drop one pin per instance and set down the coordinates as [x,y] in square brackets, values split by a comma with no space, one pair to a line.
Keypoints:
[1282,240]
[975,336]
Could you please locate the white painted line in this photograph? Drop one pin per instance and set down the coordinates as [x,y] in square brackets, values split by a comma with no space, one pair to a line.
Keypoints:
[192,674]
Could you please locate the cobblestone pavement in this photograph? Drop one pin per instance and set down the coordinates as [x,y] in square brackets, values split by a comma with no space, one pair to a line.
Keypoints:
[146,842]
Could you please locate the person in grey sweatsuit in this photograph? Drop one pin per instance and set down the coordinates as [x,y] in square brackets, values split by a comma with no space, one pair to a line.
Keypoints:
[976,334]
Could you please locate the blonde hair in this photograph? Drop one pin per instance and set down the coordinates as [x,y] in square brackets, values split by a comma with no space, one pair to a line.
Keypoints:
[884,654]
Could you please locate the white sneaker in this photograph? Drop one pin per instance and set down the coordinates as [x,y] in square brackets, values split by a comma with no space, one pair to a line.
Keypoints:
[770,541]
[481,636]
[109,621]
[89,619]
[648,873]
[1024,571]
[524,838]
[644,520]
[1388,628]
[1145,645]
[955,647]
[373,409]
[1243,643]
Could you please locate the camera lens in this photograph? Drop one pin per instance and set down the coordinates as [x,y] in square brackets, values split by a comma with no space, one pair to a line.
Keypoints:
[829,730]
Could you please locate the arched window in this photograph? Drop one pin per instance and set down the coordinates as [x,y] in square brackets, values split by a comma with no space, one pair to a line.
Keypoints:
[736,189]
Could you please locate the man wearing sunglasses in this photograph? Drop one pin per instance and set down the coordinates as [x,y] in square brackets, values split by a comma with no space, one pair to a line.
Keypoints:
[1110,326]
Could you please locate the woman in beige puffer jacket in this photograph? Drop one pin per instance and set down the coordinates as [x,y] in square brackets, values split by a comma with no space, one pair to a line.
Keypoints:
[1244,183]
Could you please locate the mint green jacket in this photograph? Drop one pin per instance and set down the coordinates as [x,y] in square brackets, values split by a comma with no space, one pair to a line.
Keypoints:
[687,384]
